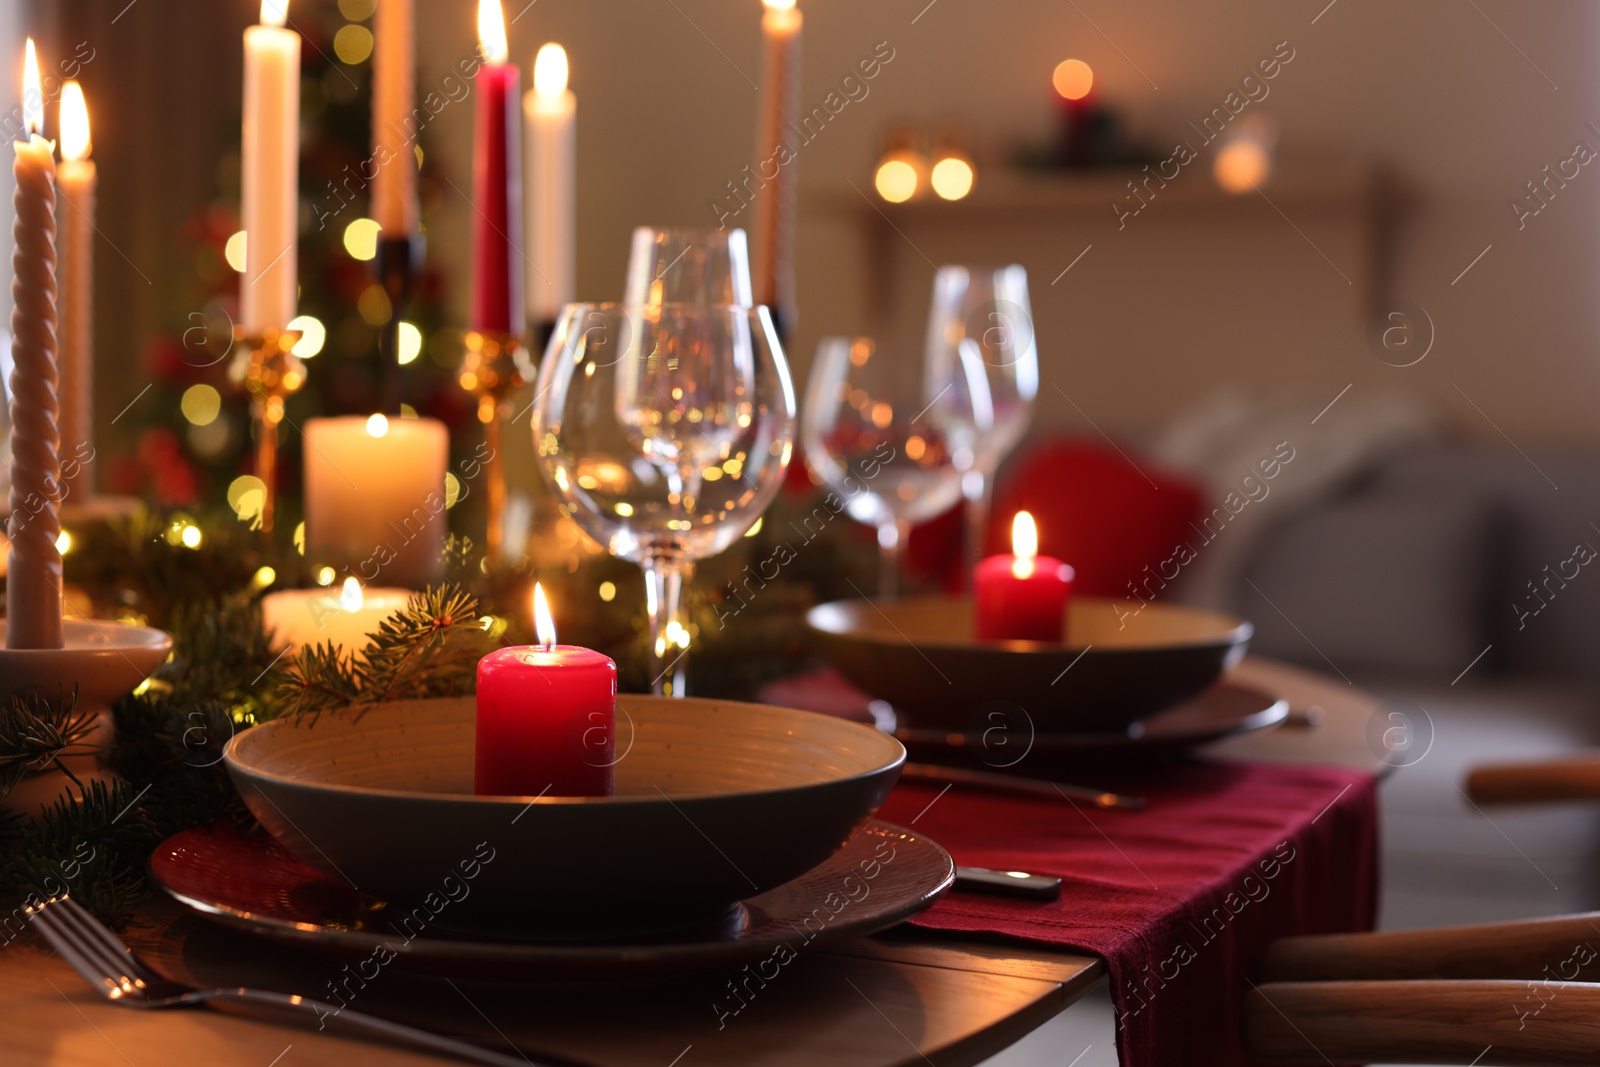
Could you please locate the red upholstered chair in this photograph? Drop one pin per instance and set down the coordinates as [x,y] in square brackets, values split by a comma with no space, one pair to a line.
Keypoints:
[1107,513]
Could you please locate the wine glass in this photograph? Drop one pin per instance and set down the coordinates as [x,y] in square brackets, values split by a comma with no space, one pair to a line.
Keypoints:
[984,315]
[688,266]
[664,430]
[891,437]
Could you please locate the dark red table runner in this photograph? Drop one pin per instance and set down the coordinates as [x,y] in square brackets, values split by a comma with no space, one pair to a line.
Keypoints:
[1179,899]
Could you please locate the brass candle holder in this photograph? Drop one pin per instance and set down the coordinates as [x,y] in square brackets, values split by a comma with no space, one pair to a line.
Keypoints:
[267,368]
[496,365]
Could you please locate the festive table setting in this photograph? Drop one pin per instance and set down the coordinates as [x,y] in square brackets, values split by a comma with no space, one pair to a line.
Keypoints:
[680,770]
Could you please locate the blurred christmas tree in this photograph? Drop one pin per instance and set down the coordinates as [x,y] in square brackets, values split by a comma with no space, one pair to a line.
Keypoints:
[196,446]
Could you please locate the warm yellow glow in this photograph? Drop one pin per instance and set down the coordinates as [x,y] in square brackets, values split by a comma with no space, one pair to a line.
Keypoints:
[191,537]
[325,576]
[1242,165]
[264,577]
[624,509]
[274,12]
[378,425]
[952,178]
[778,5]
[233,251]
[492,31]
[32,95]
[896,180]
[74,122]
[1073,79]
[608,591]
[452,490]
[63,542]
[410,343]
[313,335]
[754,529]
[1024,544]
[550,71]
[361,239]
[352,44]
[544,625]
[351,597]
[201,404]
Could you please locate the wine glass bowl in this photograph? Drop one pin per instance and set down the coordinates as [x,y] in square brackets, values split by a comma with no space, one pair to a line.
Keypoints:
[982,318]
[893,444]
[669,265]
[665,431]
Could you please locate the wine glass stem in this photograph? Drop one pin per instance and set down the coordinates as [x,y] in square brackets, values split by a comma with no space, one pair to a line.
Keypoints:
[891,546]
[669,645]
[978,488]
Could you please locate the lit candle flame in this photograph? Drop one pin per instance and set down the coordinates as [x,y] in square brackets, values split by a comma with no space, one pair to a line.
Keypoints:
[32,95]
[274,12]
[1072,78]
[378,425]
[550,71]
[778,5]
[492,31]
[74,123]
[1024,544]
[351,597]
[544,625]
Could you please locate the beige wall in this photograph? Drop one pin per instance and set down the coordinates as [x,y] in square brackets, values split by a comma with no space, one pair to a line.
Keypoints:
[1429,87]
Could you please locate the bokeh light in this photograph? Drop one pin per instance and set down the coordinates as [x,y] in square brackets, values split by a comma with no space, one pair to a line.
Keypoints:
[896,180]
[201,404]
[352,44]
[361,239]
[1073,79]
[233,251]
[952,178]
[313,335]
[410,343]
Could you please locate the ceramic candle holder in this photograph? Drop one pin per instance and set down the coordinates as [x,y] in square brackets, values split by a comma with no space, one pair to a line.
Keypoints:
[102,661]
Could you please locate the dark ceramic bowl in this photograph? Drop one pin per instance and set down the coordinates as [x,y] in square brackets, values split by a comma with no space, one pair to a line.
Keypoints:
[716,801]
[1115,668]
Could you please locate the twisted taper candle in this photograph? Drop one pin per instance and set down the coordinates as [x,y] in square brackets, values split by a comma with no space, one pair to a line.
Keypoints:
[33,581]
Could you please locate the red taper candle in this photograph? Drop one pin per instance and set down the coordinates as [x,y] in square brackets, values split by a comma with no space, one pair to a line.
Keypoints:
[497,286]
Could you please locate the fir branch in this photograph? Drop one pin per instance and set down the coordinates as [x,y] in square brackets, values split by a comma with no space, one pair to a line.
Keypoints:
[431,648]
[35,732]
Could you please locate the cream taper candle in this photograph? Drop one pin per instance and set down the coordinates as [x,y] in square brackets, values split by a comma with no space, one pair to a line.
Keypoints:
[772,236]
[75,191]
[394,127]
[549,112]
[33,581]
[270,171]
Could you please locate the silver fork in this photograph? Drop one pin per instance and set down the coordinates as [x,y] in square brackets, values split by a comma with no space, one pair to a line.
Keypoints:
[116,974]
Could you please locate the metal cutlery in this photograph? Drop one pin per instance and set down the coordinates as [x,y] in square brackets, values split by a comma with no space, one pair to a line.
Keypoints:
[1009,783]
[111,968]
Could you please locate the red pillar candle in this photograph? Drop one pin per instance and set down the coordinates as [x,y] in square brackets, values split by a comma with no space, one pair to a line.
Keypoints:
[1023,596]
[497,289]
[546,718]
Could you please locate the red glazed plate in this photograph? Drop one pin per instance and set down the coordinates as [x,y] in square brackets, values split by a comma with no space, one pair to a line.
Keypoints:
[881,877]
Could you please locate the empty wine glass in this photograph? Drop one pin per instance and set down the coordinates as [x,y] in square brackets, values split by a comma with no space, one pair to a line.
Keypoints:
[688,266]
[891,440]
[664,431]
[983,314]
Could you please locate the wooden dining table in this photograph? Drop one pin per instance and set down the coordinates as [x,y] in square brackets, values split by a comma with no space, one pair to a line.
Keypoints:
[906,997]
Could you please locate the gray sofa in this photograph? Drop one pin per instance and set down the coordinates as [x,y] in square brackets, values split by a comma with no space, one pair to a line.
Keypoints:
[1463,585]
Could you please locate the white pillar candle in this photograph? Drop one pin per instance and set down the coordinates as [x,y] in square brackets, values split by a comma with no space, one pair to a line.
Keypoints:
[271,164]
[394,186]
[375,497]
[33,582]
[773,228]
[549,112]
[75,190]
[346,615]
